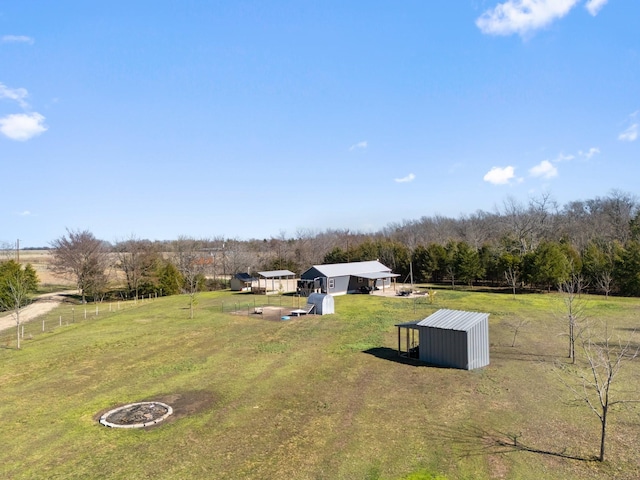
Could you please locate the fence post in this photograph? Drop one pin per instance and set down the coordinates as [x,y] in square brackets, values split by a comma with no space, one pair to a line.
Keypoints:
[85,313]
[73,315]
[60,320]
[43,325]
[96,310]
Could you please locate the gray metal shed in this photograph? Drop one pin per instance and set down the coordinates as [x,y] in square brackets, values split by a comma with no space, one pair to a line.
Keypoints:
[324,304]
[449,338]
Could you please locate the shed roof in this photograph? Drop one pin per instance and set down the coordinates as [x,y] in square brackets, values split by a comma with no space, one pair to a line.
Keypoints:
[245,277]
[354,268]
[276,273]
[449,320]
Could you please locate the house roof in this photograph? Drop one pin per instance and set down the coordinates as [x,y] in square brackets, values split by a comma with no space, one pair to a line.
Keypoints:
[372,268]
[449,320]
[276,273]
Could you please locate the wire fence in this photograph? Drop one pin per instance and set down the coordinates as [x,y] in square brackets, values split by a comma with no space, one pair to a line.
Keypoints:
[65,315]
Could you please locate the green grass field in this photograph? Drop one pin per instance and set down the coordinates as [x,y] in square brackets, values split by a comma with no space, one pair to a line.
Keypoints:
[310,398]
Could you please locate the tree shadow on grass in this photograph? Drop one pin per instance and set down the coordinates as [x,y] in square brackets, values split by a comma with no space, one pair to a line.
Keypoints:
[473,440]
[514,353]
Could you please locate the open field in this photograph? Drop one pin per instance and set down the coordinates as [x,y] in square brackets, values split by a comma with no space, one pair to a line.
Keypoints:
[318,397]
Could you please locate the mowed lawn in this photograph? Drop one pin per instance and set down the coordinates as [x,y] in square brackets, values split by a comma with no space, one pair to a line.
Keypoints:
[318,397]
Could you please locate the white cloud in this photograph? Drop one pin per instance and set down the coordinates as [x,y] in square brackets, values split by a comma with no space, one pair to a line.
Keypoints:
[590,153]
[25,213]
[630,134]
[358,145]
[409,178]
[523,16]
[16,94]
[22,126]
[499,176]
[17,39]
[594,6]
[564,158]
[544,169]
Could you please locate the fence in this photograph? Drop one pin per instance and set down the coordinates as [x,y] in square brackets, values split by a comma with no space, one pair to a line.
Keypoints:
[65,315]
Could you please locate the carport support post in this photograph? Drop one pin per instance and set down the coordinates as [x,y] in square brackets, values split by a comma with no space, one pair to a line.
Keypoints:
[408,351]
[398,341]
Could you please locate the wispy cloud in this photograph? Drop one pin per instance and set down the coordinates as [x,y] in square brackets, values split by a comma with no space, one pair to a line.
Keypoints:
[594,6]
[409,178]
[17,39]
[564,158]
[22,126]
[630,134]
[544,169]
[523,16]
[499,175]
[25,213]
[358,145]
[17,94]
[589,153]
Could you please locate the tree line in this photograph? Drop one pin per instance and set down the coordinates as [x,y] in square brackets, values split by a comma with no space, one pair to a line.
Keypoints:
[534,245]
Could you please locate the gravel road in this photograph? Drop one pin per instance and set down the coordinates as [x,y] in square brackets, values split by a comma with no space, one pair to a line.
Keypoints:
[41,305]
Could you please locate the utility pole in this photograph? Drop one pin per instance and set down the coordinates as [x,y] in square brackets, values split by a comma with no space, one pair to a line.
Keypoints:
[18,250]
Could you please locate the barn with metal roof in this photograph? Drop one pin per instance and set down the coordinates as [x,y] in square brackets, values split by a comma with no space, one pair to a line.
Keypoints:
[448,338]
[341,278]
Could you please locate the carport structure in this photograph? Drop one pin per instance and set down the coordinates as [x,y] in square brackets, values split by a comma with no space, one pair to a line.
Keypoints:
[448,338]
[280,281]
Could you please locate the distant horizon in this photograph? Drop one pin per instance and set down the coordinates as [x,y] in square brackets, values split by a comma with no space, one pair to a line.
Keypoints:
[261,119]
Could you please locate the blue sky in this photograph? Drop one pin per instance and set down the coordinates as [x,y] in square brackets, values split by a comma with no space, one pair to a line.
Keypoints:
[252,119]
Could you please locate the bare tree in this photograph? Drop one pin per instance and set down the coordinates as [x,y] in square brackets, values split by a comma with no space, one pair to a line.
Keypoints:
[82,256]
[17,285]
[516,326]
[603,362]
[138,260]
[191,261]
[570,291]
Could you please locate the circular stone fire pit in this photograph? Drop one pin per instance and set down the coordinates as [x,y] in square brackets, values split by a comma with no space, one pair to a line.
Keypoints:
[136,415]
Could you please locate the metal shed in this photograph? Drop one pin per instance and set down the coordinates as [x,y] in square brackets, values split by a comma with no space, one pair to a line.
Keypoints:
[324,304]
[448,338]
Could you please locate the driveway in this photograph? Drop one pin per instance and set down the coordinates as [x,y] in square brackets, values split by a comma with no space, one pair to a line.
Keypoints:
[40,306]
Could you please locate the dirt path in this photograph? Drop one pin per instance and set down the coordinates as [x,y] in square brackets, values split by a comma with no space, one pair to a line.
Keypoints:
[41,305]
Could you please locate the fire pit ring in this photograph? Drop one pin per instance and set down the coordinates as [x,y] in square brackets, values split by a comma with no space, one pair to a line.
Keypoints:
[136,415]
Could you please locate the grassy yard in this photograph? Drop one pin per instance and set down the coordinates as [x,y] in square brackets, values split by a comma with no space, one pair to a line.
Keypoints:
[309,398]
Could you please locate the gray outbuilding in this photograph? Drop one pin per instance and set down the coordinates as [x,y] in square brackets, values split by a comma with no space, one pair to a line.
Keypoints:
[342,278]
[448,338]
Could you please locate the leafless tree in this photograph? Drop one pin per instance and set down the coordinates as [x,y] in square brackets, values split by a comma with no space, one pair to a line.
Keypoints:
[138,260]
[574,307]
[18,284]
[516,326]
[592,382]
[191,261]
[81,255]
